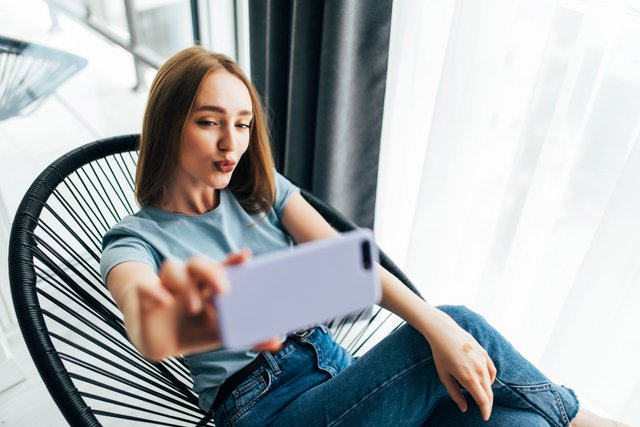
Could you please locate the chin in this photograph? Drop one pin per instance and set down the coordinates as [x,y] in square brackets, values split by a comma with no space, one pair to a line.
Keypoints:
[220,184]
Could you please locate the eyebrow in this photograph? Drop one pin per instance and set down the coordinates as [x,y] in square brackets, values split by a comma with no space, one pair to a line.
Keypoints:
[222,110]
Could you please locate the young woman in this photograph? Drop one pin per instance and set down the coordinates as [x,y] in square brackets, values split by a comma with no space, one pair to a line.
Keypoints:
[208,191]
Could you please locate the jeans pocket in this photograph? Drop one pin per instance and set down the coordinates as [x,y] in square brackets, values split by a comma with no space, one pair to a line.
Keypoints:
[330,356]
[247,394]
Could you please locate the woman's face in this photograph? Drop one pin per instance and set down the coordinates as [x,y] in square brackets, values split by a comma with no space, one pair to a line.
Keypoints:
[216,133]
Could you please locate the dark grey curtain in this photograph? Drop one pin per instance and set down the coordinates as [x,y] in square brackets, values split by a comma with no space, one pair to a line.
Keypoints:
[321,67]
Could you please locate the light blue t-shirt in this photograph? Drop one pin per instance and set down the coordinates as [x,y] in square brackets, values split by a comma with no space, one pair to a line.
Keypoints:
[152,235]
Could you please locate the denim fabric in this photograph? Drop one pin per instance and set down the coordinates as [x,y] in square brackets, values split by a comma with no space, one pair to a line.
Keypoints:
[304,363]
[314,382]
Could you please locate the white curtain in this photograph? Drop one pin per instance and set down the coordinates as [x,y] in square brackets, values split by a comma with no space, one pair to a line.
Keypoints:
[510,177]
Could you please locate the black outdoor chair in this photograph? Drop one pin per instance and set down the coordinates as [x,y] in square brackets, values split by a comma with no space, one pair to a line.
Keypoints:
[69,321]
[29,73]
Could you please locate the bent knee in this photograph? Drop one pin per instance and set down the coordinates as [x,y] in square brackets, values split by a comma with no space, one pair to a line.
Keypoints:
[463,316]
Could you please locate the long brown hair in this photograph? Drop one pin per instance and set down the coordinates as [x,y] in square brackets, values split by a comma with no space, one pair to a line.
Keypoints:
[171,99]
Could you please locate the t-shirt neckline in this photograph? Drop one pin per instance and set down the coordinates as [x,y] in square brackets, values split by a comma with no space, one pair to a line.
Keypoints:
[169,214]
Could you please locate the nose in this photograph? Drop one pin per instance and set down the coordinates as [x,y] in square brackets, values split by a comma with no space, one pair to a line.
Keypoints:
[227,141]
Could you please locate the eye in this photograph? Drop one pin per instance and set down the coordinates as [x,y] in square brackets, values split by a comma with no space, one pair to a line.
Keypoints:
[206,122]
[243,126]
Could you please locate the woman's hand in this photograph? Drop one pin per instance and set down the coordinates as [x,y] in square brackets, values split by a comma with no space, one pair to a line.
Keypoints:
[461,361]
[174,312]
[179,315]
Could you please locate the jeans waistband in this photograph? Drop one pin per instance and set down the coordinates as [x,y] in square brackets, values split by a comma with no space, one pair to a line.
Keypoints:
[231,383]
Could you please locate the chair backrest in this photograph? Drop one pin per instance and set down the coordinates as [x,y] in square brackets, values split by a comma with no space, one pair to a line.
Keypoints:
[69,321]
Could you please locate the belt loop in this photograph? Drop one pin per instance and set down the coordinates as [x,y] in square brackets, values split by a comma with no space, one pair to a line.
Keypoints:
[272,362]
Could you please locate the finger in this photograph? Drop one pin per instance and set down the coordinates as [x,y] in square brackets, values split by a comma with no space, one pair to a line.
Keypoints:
[454,391]
[237,257]
[273,345]
[477,391]
[488,391]
[152,296]
[208,275]
[493,372]
[173,275]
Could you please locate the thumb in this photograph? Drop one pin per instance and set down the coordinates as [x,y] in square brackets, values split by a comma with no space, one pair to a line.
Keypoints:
[175,278]
[273,345]
[238,257]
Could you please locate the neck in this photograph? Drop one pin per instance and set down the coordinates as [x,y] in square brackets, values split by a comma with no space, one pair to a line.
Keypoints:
[192,204]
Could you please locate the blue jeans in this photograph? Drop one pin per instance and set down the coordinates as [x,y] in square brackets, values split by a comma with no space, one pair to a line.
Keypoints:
[313,381]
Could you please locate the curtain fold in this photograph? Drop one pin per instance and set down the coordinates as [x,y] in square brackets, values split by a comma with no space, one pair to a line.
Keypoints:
[321,68]
[517,128]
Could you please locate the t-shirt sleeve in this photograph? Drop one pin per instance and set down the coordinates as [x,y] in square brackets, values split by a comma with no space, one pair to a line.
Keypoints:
[118,248]
[284,190]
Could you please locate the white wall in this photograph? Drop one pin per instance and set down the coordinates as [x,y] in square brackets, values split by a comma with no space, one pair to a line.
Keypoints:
[10,373]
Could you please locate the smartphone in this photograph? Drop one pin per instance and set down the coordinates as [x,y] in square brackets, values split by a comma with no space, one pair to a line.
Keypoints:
[287,290]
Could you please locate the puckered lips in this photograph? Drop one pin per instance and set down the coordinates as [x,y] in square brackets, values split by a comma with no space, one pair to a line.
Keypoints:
[224,166]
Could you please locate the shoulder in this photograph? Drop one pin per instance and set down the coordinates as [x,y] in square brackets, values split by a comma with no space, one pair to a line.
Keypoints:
[284,189]
[128,240]
[143,226]
[146,219]
[281,179]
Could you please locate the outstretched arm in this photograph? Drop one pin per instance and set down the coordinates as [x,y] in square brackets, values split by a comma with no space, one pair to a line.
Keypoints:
[173,312]
[459,359]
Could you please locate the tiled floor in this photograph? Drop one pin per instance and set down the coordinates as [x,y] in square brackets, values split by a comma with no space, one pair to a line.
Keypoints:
[97,102]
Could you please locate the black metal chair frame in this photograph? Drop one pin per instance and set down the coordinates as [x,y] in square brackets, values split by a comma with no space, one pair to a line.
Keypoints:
[72,327]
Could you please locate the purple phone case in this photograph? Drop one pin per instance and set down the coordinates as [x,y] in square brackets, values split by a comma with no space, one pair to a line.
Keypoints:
[287,290]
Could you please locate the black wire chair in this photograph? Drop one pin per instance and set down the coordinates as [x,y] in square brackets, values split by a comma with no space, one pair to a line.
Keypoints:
[69,321]
[29,73]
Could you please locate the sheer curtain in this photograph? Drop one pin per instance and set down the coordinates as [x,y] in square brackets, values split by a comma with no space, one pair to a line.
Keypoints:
[509,177]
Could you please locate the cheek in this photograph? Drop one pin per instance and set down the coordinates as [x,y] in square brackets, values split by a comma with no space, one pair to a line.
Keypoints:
[243,145]
[186,159]
[190,154]
[195,144]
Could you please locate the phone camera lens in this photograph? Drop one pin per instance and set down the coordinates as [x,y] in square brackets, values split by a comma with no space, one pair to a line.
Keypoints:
[366,254]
